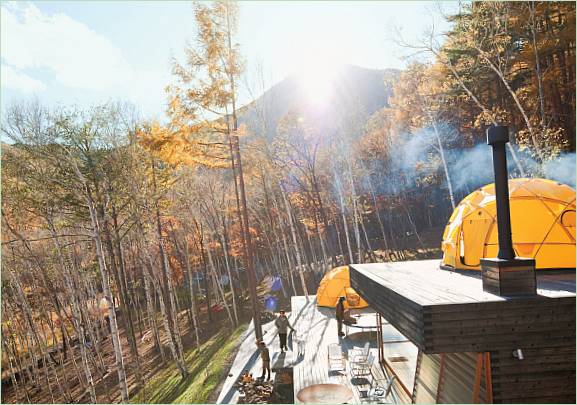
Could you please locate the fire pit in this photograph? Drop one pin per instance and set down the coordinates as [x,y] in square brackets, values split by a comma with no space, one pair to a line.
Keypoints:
[325,394]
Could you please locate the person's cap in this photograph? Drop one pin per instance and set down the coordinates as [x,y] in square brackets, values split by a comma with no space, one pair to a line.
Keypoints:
[282,311]
[341,298]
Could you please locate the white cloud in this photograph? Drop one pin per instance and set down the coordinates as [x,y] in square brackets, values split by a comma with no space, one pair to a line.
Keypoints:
[13,79]
[78,56]
[81,63]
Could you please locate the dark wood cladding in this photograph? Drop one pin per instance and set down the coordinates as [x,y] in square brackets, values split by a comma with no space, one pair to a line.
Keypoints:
[545,375]
[513,323]
[509,277]
[445,313]
[441,320]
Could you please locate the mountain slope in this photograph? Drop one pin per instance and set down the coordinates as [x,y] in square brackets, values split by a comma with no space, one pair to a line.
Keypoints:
[355,93]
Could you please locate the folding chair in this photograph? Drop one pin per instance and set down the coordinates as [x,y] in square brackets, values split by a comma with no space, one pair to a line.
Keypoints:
[360,354]
[380,391]
[335,358]
[361,367]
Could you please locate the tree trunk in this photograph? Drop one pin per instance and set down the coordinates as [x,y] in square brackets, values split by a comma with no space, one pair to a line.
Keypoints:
[218,287]
[173,308]
[192,296]
[152,316]
[108,296]
[171,341]
[295,244]
[229,273]
[105,286]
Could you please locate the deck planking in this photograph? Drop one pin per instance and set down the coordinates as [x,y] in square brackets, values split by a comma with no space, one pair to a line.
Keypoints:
[318,328]
[425,284]
[248,358]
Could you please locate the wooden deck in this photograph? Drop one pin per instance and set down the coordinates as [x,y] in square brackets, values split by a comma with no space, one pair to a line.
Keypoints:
[318,328]
[248,358]
[443,311]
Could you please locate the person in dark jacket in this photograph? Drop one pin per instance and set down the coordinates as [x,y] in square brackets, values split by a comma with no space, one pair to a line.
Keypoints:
[265,356]
[282,324]
[340,315]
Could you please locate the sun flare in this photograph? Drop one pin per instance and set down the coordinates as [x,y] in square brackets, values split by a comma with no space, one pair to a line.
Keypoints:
[317,78]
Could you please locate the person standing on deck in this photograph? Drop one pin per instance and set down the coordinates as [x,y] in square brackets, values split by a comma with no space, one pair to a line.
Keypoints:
[282,324]
[265,356]
[340,315]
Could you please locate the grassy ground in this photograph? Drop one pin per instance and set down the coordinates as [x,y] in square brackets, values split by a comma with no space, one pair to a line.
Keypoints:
[206,368]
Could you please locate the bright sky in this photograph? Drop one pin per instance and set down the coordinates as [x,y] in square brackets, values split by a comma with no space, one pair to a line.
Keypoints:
[86,52]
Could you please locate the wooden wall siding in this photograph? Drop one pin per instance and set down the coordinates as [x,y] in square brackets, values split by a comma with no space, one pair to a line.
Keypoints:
[426,379]
[454,384]
[522,322]
[444,312]
[502,278]
[460,383]
[545,375]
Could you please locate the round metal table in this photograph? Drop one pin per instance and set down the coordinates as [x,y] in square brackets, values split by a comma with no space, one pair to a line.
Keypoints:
[325,394]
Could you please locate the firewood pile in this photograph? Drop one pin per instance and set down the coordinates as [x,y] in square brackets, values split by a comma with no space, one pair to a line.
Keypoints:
[266,316]
[253,391]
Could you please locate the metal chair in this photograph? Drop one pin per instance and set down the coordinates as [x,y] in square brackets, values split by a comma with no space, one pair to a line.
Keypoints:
[335,358]
[380,391]
[361,367]
[361,353]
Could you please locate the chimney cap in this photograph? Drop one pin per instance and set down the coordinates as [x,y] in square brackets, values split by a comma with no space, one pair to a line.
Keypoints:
[497,134]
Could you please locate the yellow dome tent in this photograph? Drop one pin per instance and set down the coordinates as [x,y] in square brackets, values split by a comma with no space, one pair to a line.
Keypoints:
[542,222]
[337,283]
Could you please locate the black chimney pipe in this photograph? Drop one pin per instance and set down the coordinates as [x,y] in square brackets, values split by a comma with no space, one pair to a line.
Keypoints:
[497,137]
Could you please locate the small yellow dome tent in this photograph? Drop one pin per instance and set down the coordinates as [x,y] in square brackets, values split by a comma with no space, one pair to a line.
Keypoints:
[337,283]
[542,223]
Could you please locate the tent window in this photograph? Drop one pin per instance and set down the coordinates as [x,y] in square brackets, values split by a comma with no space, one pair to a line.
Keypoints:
[568,219]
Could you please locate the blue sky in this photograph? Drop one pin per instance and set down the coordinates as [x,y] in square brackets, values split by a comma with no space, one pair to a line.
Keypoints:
[87,52]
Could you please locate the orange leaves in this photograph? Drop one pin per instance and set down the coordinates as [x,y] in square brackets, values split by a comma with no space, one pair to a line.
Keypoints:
[182,146]
[235,243]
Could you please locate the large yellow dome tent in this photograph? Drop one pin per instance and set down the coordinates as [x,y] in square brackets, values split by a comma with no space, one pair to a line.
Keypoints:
[337,283]
[542,223]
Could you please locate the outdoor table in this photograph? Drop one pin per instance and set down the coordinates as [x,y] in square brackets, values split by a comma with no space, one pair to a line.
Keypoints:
[325,394]
[365,321]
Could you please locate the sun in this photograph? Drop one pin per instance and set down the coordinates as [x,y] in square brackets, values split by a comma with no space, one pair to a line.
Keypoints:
[316,77]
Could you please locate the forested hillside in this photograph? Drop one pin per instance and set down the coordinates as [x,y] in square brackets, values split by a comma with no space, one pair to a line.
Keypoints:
[128,242]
